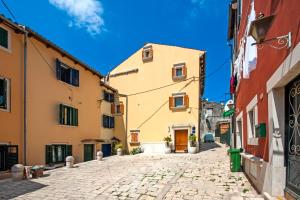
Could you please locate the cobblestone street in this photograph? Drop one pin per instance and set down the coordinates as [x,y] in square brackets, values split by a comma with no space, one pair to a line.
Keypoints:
[204,175]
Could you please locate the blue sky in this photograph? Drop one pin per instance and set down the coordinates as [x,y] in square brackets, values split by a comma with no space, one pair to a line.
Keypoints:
[104,33]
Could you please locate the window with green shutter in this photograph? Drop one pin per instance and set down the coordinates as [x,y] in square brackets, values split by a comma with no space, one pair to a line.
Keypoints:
[57,153]
[108,121]
[4,93]
[68,115]
[67,74]
[3,38]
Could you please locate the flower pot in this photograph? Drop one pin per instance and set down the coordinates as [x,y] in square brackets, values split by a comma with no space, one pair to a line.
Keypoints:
[192,150]
[119,152]
[37,173]
[167,150]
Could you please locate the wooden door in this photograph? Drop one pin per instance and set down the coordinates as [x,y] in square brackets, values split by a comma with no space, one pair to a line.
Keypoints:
[181,140]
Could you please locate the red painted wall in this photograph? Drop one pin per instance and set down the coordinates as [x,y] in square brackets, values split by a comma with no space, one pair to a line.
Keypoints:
[287,19]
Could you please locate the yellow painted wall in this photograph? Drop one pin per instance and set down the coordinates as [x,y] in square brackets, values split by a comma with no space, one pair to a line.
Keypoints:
[44,94]
[149,112]
[11,64]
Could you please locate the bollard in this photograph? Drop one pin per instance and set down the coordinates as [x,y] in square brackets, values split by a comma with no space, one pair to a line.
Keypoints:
[99,155]
[119,152]
[17,172]
[69,161]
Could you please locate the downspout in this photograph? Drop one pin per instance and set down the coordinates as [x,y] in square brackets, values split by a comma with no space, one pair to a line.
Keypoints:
[126,120]
[25,96]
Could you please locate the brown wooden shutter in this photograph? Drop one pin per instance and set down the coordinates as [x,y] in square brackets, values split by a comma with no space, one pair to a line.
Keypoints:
[122,107]
[112,108]
[171,103]
[173,72]
[134,137]
[184,71]
[143,54]
[186,101]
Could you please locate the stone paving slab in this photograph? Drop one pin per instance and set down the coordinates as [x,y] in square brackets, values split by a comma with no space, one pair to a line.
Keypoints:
[202,176]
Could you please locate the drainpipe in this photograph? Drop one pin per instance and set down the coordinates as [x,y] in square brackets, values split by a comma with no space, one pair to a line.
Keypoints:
[126,119]
[233,96]
[25,96]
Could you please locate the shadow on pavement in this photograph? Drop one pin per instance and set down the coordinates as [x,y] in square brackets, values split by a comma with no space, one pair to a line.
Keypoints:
[11,189]
[209,146]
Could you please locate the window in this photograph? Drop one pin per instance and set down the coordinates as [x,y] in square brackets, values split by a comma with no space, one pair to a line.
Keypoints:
[251,115]
[4,93]
[4,38]
[147,54]
[209,112]
[179,71]
[57,153]
[252,121]
[117,108]
[110,97]
[108,121]
[68,115]
[178,101]
[67,74]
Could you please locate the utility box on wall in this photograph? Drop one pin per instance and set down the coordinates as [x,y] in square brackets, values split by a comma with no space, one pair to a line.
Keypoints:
[261,130]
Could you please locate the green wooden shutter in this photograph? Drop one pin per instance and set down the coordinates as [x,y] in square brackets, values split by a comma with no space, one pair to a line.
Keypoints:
[3,93]
[48,154]
[58,69]
[75,77]
[76,117]
[61,114]
[68,115]
[68,150]
[3,38]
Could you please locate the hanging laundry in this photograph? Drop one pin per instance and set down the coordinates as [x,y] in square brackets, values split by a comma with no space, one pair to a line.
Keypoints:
[250,57]
[232,86]
[238,64]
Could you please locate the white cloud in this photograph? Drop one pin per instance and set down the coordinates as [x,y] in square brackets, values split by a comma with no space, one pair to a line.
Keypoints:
[84,13]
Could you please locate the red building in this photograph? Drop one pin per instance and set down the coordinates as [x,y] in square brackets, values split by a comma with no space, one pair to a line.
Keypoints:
[266,91]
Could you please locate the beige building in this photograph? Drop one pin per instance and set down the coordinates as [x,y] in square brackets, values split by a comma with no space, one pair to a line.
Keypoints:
[51,104]
[161,88]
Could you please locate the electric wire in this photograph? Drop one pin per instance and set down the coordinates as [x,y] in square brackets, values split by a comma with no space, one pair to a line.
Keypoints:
[158,88]
[218,68]
[9,10]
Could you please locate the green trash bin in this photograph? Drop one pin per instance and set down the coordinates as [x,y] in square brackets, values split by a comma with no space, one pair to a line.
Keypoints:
[235,159]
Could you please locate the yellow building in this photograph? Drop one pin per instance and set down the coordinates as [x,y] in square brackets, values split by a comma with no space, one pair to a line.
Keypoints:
[160,89]
[51,104]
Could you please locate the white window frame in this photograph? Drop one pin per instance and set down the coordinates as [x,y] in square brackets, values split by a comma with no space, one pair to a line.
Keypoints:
[251,135]
[179,66]
[7,94]
[239,118]
[8,49]
[176,95]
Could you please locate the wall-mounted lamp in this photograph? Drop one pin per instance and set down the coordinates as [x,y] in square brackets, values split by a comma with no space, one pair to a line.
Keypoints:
[259,29]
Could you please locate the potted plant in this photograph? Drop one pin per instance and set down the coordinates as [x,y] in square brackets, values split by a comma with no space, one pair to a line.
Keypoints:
[168,141]
[119,149]
[193,146]
[37,171]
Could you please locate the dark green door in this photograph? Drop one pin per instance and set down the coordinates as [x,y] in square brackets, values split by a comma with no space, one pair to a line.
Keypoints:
[292,137]
[88,152]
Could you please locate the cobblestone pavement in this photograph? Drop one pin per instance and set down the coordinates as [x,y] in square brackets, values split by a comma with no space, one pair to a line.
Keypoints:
[200,176]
